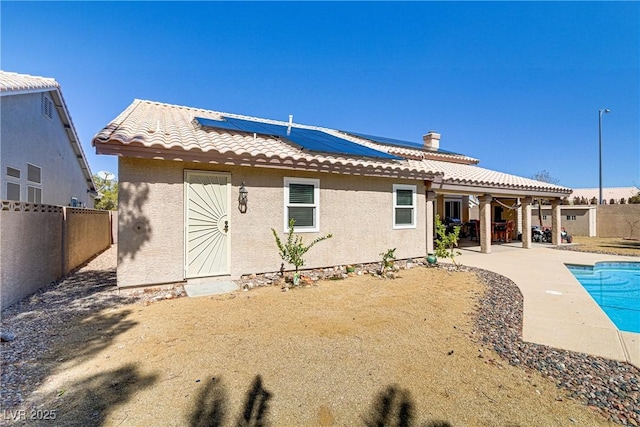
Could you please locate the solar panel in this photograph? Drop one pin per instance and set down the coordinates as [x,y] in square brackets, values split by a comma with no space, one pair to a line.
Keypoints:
[310,139]
[398,142]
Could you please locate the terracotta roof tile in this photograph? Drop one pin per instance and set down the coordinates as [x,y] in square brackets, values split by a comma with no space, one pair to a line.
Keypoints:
[172,127]
[14,82]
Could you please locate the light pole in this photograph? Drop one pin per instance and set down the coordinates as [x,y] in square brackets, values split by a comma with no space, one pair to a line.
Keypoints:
[604,110]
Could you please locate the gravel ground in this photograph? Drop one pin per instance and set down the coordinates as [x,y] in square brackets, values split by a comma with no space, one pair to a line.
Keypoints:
[609,387]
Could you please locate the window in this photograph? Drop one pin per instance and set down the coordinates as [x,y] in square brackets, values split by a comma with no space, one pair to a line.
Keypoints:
[301,203]
[13,191]
[34,194]
[34,173]
[13,172]
[452,209]
[404,206]
[571,217]
[544,217]
[47,106]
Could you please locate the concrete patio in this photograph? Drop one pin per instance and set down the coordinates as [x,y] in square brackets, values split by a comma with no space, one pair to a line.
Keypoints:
[558,311]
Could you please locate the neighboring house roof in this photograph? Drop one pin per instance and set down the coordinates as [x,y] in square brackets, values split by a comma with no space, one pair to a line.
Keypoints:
[609,193]
[19,84]
[156,130]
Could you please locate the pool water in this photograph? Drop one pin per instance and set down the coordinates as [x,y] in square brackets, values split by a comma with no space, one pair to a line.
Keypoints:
[615,286]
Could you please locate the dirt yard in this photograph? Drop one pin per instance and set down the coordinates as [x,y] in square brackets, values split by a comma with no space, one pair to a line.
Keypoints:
[361,351]
[610,245]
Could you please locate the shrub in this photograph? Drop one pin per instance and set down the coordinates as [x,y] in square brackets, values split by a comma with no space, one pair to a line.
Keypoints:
[447,242]
[387,259]
[293,250]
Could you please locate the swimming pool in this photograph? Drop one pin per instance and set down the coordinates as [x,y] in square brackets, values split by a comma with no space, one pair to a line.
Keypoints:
[615,286]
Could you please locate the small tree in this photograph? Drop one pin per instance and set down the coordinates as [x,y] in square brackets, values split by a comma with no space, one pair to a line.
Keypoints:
[544,176]
[447,242]
[108,190]
[388,258]
[293,250]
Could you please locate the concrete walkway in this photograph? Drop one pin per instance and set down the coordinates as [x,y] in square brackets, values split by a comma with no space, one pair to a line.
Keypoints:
[558,311]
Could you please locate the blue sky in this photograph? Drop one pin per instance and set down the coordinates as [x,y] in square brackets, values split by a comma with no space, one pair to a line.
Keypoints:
[516,84]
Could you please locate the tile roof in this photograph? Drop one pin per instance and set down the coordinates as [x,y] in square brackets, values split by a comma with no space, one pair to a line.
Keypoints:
[157,130]
[608,193]
[14,82]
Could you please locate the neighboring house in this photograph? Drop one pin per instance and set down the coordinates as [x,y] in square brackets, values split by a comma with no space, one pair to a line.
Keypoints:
[183,171]
[608,193]
[41,157]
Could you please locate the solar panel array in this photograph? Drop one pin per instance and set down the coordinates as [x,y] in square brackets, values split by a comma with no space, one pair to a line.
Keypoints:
[310,139]
[397,142]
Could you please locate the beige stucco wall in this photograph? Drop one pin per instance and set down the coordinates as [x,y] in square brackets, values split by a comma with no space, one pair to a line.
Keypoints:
[356,210]
[86,233]
[577,227]
[41,243]
[617,221]
[30,252]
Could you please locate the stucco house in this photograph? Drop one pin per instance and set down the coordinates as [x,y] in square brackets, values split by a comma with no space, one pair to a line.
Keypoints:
[40,153]
[184,172]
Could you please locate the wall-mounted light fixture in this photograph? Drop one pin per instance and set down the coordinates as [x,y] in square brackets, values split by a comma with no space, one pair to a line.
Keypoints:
[243,197]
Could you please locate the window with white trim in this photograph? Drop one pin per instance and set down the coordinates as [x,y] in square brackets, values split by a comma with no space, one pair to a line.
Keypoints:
[404,206]
[13,191]
[13,184]
[302,203]
[34,176]
[571,217]
[34,194]
[34,173]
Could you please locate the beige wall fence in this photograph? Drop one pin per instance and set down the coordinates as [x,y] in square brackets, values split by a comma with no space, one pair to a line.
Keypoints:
[41,243]
[619,221]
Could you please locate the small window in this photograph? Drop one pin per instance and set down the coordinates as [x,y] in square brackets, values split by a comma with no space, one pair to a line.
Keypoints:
[34,194]
[571,217]
[301,200]
[452,209]
[34,173]
[13,172]
[404,206]
[544,217]
[13,191]
[47,106]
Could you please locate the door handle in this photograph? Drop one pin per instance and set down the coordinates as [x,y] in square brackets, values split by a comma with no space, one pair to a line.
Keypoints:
[226,226]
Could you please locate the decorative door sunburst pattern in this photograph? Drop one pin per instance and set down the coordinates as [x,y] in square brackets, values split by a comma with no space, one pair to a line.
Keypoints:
[207,224]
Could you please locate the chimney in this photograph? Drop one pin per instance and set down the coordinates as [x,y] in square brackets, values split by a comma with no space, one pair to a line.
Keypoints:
[431,141]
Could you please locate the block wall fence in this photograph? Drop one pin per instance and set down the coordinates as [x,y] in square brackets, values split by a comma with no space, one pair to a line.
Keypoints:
[40,244]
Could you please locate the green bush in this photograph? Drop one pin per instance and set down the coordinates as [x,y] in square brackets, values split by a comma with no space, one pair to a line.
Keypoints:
[293,250]
[447,242]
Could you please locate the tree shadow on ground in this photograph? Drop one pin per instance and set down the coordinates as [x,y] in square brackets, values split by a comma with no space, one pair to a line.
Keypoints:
[89,401]
[211,407]
[394,406]
[67,322]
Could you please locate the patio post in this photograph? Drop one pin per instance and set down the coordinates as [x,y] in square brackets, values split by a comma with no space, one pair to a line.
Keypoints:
[556,224]
[431,196]
[485,224]
[526,222]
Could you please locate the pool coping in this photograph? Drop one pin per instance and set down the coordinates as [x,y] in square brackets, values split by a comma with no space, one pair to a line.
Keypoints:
[558,311]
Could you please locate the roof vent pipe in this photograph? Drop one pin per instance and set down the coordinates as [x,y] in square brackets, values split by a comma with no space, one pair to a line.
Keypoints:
[290,124]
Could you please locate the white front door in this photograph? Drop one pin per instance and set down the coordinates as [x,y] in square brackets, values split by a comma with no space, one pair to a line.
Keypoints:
[207,199]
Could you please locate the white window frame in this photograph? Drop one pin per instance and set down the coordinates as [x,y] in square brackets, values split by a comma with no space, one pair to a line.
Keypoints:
[413,206]
[571,217]
[6,189]
[36,189]
[316,205]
